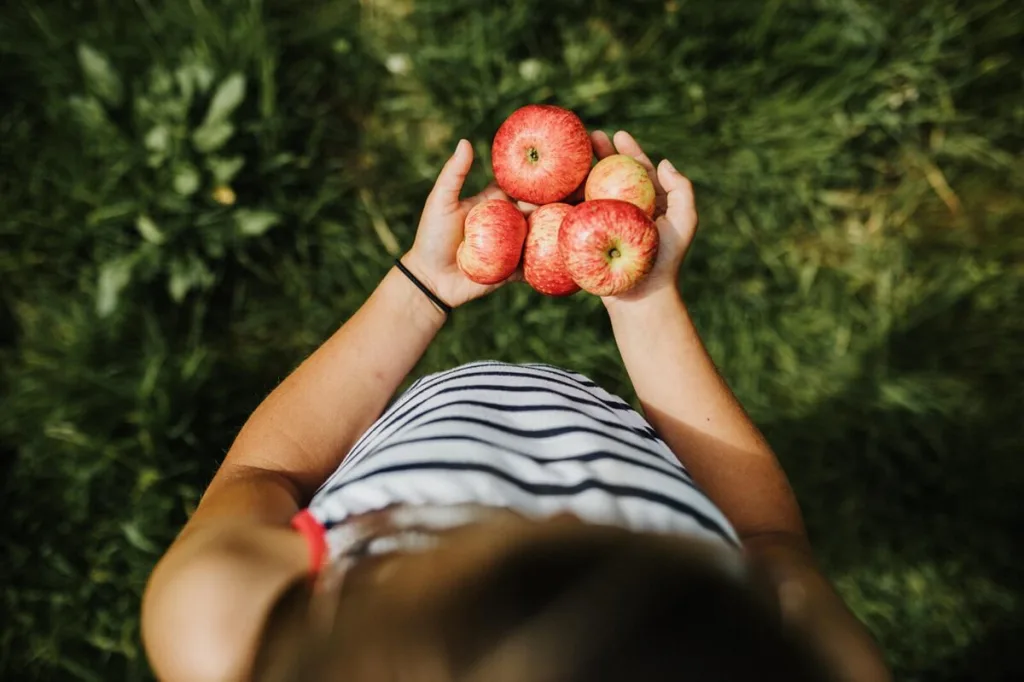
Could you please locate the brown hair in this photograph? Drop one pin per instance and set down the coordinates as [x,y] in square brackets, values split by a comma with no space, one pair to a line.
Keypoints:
[547,604]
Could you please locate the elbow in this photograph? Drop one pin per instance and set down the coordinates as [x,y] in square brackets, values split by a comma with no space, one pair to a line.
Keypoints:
[207,602]
[186,628]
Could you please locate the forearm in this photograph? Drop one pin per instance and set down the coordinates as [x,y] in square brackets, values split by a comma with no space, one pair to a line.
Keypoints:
[310,421]
[692,408]
[808,601]
[290,444]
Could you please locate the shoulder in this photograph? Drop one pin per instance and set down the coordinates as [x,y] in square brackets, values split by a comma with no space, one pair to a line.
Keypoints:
[207,600]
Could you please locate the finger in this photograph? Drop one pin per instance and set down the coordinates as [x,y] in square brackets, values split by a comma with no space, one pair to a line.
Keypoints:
[626,144]
[602,144]
[445,195]
[526,208]
[682,209]
[491,191]
[516,276]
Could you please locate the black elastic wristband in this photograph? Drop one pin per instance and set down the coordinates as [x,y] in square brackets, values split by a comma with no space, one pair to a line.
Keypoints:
[434,298]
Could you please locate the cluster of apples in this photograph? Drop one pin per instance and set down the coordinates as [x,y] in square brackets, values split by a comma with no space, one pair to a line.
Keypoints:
[605,245]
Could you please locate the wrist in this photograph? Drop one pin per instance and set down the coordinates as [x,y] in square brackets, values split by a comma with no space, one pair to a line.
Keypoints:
[424,313]
[414,263]
[652,305]
[426,280]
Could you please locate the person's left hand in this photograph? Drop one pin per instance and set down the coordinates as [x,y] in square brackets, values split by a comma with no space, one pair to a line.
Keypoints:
[675,215]
[432,256]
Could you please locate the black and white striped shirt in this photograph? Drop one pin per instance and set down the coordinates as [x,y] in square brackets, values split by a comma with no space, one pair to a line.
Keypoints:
[534,439]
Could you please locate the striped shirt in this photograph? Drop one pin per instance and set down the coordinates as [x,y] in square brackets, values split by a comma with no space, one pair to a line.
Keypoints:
[534,439]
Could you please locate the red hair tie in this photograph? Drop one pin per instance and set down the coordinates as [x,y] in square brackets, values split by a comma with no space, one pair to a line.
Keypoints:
[315,535]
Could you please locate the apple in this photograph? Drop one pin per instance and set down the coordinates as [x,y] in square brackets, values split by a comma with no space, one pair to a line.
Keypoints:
[541,153]
[621,177]
[543,267]
[608,245]
[492,241]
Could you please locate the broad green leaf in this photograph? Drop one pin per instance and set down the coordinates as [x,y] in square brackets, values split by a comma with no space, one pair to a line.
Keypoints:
[178,285]
[210,137]
[224,170]
[160,82]
[187,275]
[226,99]
[531,69]
[91,115]
[113,278]
[147,478]
[186,84]
[137,539]
[194,75]
[157,142]
[113,211]
[158,139]
[100,77]
[254,223]
[149,230]
[186,179]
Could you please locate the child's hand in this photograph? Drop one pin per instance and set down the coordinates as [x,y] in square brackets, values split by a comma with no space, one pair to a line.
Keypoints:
[675,215]
[432,257]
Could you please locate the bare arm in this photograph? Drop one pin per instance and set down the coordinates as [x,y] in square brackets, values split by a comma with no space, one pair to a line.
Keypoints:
[303,429]
[690,405]
[310,421]
[206,600]
[692,408]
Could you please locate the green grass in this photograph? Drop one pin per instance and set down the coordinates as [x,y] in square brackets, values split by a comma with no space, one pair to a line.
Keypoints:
[857,276]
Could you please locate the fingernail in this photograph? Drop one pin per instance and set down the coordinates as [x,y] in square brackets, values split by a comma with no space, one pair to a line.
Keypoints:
[458,146]
[671,168]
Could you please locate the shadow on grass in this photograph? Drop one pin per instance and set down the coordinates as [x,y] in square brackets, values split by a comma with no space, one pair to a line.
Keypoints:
[918,465]
[8,335]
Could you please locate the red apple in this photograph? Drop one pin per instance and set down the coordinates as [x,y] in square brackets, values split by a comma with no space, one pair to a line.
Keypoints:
[608,245]
[541,153]
[621,177]
[492,241]
[543,267]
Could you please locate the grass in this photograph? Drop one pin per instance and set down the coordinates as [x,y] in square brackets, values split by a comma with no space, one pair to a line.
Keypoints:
[194,194]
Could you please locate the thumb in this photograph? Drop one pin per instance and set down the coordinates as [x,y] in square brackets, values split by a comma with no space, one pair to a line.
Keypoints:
[682,210]
[445,195]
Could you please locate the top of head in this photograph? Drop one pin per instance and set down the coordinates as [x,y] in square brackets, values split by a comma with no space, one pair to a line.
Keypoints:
[547,602]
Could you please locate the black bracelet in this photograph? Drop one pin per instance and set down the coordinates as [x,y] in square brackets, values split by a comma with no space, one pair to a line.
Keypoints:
[434,298]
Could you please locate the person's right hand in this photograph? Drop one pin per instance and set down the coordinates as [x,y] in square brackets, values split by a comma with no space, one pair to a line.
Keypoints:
[432,257]
[675,214]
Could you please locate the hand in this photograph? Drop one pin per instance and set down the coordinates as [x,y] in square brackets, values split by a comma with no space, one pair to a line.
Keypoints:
[675,215]
[432,257]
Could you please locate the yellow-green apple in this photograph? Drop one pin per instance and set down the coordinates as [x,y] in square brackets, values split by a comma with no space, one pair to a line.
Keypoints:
[543,267]
[541,153]
[492,241]
[608,245]
[621,177]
